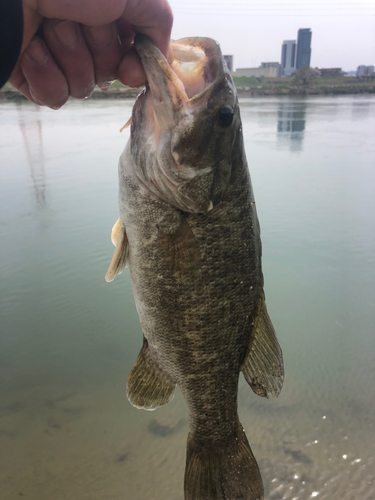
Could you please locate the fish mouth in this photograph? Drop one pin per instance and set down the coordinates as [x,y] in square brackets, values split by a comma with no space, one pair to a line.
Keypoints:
[174,119]
[197,62]
[194,65]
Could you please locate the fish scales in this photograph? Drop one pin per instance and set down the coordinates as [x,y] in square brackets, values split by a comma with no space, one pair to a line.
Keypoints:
[190,235]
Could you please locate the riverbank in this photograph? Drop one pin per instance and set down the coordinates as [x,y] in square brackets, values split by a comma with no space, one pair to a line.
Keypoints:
[294,90]
[121,92]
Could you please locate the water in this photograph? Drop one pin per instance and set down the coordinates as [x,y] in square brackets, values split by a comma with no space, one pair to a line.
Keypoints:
[68,339]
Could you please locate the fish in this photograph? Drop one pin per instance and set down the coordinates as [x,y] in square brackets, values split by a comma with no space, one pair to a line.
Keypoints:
[188,231]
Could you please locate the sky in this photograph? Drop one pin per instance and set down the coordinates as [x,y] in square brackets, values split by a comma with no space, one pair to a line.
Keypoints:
[343,32]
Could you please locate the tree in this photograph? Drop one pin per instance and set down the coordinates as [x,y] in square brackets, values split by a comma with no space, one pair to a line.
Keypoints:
[306,75]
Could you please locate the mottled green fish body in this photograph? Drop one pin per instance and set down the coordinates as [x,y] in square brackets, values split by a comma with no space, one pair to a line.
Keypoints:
[189,232]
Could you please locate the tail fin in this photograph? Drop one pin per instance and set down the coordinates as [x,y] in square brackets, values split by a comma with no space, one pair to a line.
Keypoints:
[227,472]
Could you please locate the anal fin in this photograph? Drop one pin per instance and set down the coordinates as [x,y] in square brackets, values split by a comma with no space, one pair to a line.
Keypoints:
[263,366]
[120,255]
[148,387]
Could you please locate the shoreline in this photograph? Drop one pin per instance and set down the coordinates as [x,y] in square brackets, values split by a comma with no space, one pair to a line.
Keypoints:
[242,91]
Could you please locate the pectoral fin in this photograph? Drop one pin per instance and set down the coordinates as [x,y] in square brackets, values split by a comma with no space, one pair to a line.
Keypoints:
[116,232]
[148,387]
[180,248]
[263,366]
[120,255]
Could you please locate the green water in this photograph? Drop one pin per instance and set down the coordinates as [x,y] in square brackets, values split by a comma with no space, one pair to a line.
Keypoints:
[68,339]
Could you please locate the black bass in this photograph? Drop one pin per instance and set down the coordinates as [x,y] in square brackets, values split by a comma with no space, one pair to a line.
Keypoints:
[189,232]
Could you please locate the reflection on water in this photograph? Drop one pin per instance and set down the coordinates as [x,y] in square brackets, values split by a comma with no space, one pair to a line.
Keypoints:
[31,130]
[291,123]
[68,340]
[360,111]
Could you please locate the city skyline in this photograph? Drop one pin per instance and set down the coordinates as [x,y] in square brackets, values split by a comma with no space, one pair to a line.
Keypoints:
[253,31]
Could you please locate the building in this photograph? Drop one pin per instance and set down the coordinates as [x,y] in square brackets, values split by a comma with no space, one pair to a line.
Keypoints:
[331,72]
[268,70]
[229,61]
[276,65]
[288,57]
[364,71]
[361,71]
[303,48]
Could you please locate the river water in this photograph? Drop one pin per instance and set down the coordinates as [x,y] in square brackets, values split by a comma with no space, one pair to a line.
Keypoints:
[68,339]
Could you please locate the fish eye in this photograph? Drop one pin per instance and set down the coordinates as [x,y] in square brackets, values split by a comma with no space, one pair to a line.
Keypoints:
[225,116]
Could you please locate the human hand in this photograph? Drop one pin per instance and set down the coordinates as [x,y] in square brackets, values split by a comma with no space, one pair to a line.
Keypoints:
[85,43]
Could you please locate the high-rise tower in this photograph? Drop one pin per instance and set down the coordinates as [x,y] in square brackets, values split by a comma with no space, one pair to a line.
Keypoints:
[303,48]
[288,57]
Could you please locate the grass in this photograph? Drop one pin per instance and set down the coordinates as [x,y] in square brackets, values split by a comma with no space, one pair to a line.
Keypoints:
[116,84]
[289,81]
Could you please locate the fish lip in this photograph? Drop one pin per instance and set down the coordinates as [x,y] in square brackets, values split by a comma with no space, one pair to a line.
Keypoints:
[146,49]
[167,91]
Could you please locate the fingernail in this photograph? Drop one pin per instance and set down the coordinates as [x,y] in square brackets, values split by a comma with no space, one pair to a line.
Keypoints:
[105,86]
[40,103]
[34,98]
[101,35]
[66,33]
[38,52]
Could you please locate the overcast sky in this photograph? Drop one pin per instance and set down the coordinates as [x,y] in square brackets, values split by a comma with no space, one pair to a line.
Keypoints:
[343,32]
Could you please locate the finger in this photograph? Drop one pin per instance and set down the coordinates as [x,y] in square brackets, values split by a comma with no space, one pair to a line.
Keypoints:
[152,18]
[126,33]
[38,76]
[18,81]
[68,46]
[89,12]
[130,72]
[32,20]
[104,45]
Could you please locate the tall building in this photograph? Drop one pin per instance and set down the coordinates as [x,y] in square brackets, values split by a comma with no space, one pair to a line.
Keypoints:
[364,71]
[288,57]
[303,48]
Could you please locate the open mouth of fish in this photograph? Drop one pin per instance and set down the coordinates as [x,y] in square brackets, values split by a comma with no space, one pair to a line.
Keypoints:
[195,63]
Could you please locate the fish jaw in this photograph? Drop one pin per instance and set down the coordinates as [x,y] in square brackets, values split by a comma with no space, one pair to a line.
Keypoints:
[168,94]
[181,152]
